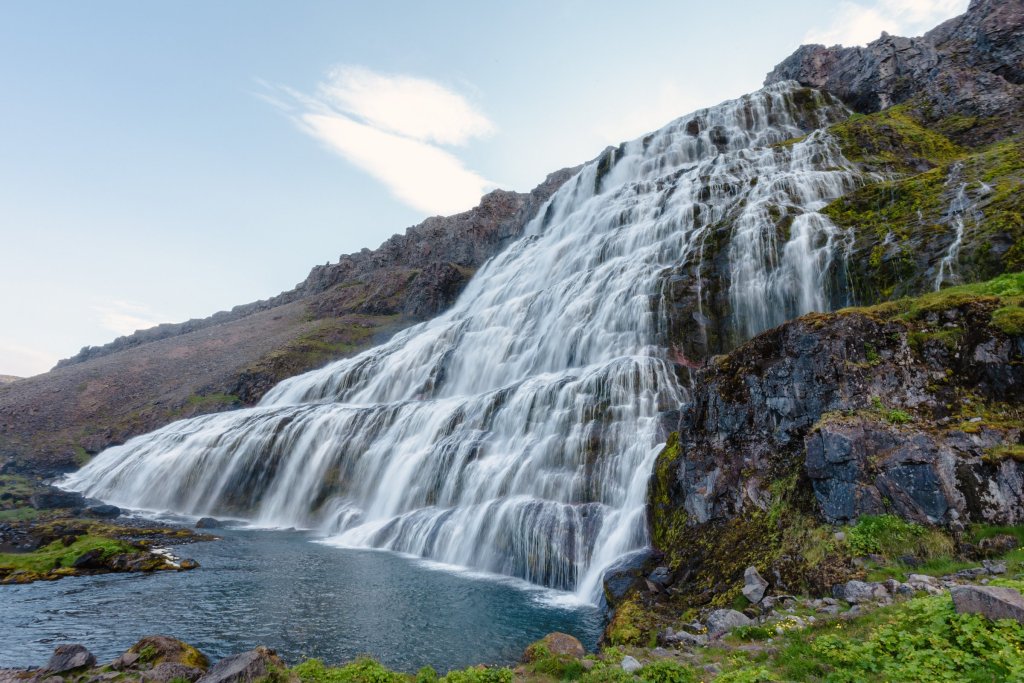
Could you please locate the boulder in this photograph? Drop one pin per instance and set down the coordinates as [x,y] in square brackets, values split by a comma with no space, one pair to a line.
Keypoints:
[754,585]
[155,650]
[721,621]
[661,576]
[209,523]
[990,601]
[856,592]
[53,498]
[103,511]
[69,658]
[626,574]
[993,567]
[90,559]
[244,668]
[166,672]
[559,644]
[631,665]
[673,637]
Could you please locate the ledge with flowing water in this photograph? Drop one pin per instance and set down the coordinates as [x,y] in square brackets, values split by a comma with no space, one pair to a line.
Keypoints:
[516,432]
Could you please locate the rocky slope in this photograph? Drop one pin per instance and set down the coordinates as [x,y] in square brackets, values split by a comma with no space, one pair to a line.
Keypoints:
[104,395]
[910,411]
[965,76]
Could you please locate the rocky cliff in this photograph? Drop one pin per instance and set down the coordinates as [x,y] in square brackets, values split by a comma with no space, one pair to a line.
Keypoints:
[965,76]
[104,395]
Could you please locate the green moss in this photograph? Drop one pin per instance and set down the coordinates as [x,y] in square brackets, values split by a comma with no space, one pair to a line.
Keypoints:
[996,455]
[1009,320]
[630,625]
[892,140]
[667,518]
[58,555]
[82,457]
[207,401]
[892,536]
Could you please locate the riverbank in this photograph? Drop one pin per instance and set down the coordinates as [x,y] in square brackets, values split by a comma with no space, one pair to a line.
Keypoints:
[48,534]
[939,629]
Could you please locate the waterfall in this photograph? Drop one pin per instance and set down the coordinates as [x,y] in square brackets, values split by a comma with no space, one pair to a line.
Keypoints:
[957,208]
[516,433]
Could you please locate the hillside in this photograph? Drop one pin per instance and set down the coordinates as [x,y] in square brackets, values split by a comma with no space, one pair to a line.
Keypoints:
[104,395]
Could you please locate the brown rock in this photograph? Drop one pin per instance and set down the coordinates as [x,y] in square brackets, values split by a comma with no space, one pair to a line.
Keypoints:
[558,644]
[156,650]
[990,601]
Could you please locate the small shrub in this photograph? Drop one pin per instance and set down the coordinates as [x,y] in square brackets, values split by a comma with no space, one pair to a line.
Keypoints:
[479,674]
[897,417]
[426,675]
[754,632]
[667,671]
[892,536]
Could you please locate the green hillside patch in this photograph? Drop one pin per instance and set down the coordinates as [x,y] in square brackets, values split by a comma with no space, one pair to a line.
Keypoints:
[892,141]
[57,555]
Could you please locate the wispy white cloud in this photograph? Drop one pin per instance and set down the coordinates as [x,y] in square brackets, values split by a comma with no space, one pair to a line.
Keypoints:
[394,127]
[857,23]
[125,317]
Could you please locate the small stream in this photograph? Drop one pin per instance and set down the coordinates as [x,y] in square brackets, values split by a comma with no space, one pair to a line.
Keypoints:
[302,598]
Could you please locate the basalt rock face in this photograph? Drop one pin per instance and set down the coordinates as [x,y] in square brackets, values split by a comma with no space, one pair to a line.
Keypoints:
[103,396]
[875,414]
[968,72]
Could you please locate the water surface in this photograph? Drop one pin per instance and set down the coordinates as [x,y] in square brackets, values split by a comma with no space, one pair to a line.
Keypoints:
[304,599]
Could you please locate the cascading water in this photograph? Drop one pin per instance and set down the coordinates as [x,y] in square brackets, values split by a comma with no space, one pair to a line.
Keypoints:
[958,207]
[516,432]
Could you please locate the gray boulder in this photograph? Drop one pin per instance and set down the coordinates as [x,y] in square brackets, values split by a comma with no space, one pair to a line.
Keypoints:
[244,668]
[165,672]
[721,621]
[992,602]
[631,665]
[209,523]
[856,592]
[69,658]
[754,585]
[103,511]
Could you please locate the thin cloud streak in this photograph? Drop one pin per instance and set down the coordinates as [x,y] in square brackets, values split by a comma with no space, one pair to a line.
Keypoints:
[393,128]
[858,23]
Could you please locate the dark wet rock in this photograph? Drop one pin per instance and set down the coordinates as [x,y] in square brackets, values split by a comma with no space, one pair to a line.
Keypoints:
[53,498]
[91,559]
[994,603]
[67,658]
[754,585]
[103,511]
[209,523]
[627,574]
[661,576]
[721,621]
[244,668]
[558,644]
[969,68]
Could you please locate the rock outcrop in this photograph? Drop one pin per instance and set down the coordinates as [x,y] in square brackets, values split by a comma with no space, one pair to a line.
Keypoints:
[967,72]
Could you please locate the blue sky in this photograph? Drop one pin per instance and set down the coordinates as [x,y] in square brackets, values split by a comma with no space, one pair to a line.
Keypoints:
[161,161]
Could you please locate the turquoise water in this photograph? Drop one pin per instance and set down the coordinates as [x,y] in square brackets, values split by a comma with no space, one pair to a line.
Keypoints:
[302,598]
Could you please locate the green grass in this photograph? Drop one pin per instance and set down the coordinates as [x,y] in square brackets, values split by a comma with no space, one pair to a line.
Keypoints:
[58,555]
[892,536]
